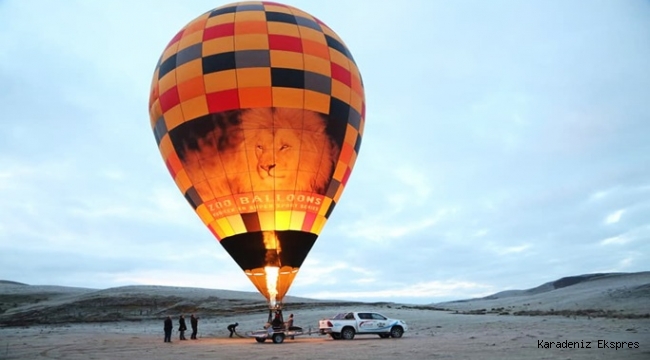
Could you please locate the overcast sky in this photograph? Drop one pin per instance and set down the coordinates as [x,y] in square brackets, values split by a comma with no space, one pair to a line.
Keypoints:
[507,144]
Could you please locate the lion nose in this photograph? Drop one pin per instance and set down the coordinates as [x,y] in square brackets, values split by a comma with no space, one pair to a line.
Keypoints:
[268,167]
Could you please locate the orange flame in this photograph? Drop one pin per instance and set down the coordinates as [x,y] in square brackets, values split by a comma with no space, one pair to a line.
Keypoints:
[272,268]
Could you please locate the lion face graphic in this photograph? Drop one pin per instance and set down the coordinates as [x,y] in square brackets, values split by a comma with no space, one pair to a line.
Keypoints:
[276,152]
[264,149]
[287,149]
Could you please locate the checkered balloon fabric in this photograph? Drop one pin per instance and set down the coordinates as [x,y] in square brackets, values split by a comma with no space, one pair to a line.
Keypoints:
[258,111]
[246,56]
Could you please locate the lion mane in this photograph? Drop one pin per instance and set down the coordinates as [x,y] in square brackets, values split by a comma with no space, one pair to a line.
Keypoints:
[264,149]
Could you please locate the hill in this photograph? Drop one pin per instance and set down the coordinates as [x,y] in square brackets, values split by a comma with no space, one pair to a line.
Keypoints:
[22,304]
[596,295]
[608,294]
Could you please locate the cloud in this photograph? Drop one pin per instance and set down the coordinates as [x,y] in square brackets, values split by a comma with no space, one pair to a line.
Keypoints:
[424,291]
[326,271]
[599,195]
[617,240]
[614,217]
[413,178]
[640,233]
[517,249]
[481,232]
[624,261]
[233,280]
[386,228]
[160,203]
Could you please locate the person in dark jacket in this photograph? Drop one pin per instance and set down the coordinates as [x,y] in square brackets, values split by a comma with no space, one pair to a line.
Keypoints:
[277,321]
[182,327]
[232,327]
[168,329]
[194,322]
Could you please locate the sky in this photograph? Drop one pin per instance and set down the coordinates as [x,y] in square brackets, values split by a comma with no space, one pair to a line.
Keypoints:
[506,145]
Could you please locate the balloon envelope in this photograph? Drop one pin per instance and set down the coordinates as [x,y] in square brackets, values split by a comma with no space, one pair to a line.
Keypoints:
[258,111]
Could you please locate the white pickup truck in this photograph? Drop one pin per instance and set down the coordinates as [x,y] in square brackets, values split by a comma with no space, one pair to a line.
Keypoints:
[347,325]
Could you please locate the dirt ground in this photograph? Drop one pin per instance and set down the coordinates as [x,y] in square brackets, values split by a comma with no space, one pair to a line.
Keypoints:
[432,335]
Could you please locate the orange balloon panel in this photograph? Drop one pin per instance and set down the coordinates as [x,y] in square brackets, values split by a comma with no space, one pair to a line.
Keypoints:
[258,110]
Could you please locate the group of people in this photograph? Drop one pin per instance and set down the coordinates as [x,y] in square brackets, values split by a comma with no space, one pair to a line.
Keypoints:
[277,323]
[194,323]
[182,327]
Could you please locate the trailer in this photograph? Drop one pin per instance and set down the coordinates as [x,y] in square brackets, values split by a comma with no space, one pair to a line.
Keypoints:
[276,331]
[277,335]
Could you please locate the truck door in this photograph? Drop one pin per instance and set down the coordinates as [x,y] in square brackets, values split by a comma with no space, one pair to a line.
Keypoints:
[381,322]
[366,322]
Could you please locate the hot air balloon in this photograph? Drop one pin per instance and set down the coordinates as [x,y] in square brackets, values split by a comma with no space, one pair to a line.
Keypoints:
[258,111]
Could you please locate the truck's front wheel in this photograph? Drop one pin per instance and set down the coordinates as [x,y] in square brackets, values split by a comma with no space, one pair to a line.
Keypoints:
[347,333]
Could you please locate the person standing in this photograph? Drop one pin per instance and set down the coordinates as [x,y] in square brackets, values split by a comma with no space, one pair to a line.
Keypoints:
[194,322]
[289,325]
[182,327]
[168,329]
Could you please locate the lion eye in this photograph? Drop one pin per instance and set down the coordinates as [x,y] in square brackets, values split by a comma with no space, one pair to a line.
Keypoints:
[259,147]
[284,147]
